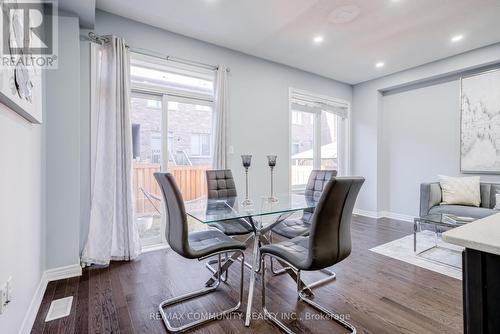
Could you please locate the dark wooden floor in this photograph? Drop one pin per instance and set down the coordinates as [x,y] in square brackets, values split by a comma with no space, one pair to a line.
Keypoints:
[378,294]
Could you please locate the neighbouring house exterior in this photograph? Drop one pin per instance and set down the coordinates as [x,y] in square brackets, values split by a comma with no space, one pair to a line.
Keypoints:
[189,132]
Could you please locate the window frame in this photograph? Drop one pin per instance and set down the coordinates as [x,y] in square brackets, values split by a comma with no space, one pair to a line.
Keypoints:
[167,95]
[343,134]
[200,154]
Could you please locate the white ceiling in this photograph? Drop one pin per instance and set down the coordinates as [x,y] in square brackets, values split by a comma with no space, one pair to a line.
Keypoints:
[401,33]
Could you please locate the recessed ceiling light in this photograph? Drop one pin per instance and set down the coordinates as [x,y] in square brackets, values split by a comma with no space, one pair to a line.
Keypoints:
[380,64]
[344,14]
[457,38]
[318,39]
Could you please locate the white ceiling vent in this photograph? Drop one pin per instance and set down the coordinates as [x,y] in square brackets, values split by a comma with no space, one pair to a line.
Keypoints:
[59,308]
[344,14]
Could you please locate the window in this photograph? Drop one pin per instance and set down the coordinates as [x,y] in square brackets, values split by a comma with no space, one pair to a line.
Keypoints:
[172,117]
[318,140]
[156,147]
[200,144]
[296,117]
[154,104]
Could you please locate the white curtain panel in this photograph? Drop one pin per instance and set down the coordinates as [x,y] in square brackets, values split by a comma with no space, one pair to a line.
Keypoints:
[221,133]
[112,232]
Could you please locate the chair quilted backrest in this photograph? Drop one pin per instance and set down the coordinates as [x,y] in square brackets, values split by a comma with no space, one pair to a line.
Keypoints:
[220,183]
[317,182]
[315,185]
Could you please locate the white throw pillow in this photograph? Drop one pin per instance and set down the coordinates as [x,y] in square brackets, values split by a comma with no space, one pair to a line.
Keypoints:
[497,201]
[460,190]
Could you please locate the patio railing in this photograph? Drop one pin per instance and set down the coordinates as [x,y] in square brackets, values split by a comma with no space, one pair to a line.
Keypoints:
[190,179]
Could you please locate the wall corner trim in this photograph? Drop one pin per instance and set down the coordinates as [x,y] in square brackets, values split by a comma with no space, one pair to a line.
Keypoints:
[47,276]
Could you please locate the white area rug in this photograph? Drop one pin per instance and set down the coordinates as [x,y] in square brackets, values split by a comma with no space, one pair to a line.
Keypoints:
[445,259]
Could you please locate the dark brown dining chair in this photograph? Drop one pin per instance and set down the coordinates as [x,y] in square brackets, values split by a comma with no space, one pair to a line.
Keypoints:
[193,245]
[328,243]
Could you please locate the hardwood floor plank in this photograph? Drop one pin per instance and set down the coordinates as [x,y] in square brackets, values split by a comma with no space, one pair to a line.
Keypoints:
[380,295]
[82,303]
[67,324]
[48,296]
[52,327]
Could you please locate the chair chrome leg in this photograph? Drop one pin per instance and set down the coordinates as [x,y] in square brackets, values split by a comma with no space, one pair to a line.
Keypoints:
[209,265]
[229,262]
[333,316]
[268,315]
[198,293]
[331,275]
[302,296]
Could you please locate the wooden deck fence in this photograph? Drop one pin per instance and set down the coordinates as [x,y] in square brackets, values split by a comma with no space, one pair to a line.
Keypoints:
[190,179]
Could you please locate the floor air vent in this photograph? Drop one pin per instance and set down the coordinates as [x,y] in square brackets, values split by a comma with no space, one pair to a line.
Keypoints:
[59,308]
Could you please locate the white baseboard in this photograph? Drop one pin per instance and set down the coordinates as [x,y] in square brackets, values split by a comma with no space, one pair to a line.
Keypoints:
[47,276]
[30,316]
[397,216]
[383,214]
[63,272]
[366,213]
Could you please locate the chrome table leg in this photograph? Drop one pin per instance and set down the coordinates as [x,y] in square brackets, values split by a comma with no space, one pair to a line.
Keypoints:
[251,287]
[229,262]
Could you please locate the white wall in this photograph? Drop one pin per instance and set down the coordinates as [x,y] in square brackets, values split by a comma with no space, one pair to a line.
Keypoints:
[21,223]
[420,139]
[62,150]
[391,134]
[40,182]
[258,97]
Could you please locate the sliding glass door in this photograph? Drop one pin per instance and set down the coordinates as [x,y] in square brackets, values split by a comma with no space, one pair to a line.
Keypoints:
[189,128]
[172,130]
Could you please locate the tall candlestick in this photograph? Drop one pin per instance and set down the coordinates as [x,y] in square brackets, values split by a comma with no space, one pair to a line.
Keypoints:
[271,160]
[246,160]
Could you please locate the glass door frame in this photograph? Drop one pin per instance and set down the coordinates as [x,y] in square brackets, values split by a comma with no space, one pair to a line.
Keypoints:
[149,246]
[343,135]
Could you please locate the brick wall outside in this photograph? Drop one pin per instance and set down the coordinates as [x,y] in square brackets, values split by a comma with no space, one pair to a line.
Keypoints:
[184,120]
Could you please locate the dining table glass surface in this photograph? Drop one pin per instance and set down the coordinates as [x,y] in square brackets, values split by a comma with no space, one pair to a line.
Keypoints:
[208,210]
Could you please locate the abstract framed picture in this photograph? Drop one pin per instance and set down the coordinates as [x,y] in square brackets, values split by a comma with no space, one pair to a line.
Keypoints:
[22,48]
[480,123]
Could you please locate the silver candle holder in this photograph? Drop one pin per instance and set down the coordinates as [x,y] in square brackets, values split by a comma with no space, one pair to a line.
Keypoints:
[271,160]
[246,159]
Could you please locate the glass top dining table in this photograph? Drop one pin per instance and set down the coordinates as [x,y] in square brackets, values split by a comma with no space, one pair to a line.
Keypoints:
[225,209]
[214,210]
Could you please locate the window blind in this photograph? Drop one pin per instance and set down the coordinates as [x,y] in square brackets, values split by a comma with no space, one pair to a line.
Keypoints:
[302,101]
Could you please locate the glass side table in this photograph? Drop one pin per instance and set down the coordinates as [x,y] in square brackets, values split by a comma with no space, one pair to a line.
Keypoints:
[439,223]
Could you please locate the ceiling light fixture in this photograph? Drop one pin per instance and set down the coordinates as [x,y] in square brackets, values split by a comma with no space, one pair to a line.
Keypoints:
[318,39]
[457,38]
[380,64]
[344,14]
